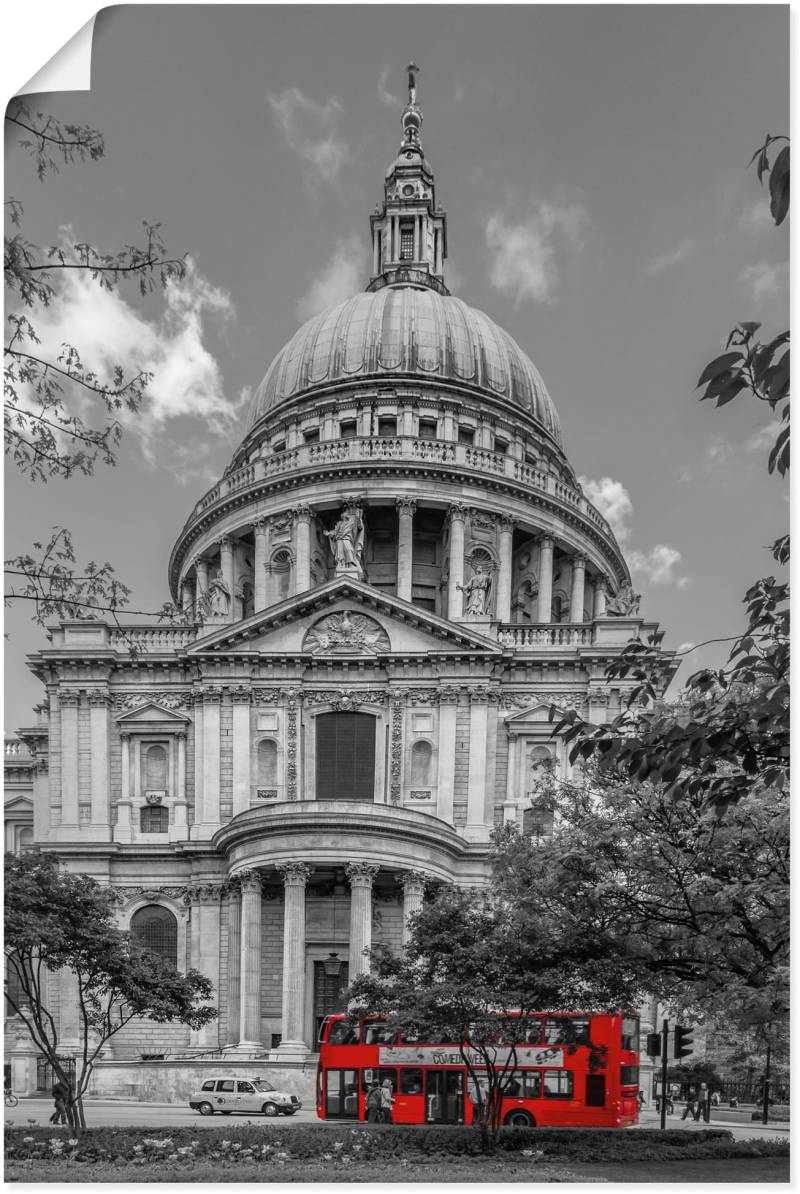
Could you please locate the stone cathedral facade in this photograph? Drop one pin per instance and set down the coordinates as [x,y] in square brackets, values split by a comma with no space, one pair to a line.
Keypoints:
[395,578]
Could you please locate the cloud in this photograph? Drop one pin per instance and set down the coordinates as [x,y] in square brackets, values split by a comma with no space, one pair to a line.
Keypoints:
[312,131]
[667,261]
[340,279]
[767,280]
[685,647]
[764,438]
[721,451]
[683,475]
[384,95]
[186,392]
[756,218]
[658,566]
[613,501]
[525,256]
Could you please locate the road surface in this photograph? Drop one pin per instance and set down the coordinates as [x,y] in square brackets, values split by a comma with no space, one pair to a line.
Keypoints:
[163,1116]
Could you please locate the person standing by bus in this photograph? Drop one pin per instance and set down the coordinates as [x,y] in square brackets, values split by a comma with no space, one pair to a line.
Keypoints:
[374,1103]
[387,1101]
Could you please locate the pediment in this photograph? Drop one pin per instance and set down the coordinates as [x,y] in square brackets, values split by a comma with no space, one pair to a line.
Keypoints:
[17,803]
[536,715]
[343,617]
[150,713]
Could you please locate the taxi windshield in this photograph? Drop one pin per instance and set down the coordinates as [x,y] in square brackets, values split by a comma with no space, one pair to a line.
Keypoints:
[260,1084]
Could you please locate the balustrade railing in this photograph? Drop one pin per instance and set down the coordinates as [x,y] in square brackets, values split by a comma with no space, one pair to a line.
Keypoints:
[558,634]
[153,638]
[308,457]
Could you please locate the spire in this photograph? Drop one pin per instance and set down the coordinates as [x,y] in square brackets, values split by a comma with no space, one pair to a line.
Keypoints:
[409,230]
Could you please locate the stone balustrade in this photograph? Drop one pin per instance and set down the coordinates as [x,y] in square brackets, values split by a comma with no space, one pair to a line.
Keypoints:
[308,458]
[536,638]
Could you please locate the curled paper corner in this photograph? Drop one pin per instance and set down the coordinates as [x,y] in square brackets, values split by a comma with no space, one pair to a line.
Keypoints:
[70,69]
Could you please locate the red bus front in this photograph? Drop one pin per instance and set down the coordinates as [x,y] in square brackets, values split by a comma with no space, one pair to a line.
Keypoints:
[552,1083]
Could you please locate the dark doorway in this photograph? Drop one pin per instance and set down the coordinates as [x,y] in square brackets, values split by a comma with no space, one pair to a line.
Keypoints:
[341,1094]
[345,756]
[444,1096]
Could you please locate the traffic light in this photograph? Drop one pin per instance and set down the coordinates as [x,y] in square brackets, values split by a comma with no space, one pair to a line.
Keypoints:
[684,1045]
[654,1044]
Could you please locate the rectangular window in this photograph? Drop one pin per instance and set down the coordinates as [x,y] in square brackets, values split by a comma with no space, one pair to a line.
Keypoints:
[566,1030]
[406,242]
[595,1090]
[345,756]
[225,1087]
[466,435]
[311,436]
[427,429]
[500,446]
[279,446]
[524,1084]
[208,1085]
[387,426]
[534,1034]
[347,429]
[378,1034]
[557,1084]
[630,1032]
[244,1088]
[410,1082]
[629,1075]
[154,819]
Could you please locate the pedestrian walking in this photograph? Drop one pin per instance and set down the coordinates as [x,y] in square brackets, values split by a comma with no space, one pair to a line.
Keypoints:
[387,1101]
[60,1097]
[691,1107]
[373,1104]
[702,1108]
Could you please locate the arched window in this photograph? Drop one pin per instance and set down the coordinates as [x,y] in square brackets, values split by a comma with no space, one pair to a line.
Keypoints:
[281,568]
[157,929]
[25,840]
[421,757]
[155,768]
[154,818]
[267,763]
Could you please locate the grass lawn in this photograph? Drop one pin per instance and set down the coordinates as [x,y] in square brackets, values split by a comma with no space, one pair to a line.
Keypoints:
[476,1169]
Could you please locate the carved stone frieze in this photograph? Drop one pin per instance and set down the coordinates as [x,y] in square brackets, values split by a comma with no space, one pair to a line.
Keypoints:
[266,696]
[204,893]
[346,633]
[291,697]
[396,753]
[423,696]
[344,699]
[167,700]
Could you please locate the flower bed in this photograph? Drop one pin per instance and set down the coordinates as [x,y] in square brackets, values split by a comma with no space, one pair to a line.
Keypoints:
[338,1149]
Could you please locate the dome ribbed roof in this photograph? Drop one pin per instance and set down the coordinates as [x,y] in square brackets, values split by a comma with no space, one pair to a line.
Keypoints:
[411,333]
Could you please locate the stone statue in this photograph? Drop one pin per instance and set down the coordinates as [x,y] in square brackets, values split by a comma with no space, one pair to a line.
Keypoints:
[347,542]
[218,596]
[476,593]
[625,604]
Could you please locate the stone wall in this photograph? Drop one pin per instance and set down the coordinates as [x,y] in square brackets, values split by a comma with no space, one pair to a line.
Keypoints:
[173,1082]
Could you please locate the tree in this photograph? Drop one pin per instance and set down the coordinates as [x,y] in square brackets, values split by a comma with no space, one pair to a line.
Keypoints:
[696,904]
[56,920]
[475,966]
[730,739]
[60,417]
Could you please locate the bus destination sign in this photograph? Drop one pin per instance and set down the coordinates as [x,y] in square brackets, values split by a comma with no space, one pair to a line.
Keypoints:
[451,1055]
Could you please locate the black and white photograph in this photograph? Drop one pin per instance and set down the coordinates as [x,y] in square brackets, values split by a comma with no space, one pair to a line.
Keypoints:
[396,735]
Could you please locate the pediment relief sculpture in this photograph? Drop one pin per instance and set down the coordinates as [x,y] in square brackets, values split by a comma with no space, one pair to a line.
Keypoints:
[346,633]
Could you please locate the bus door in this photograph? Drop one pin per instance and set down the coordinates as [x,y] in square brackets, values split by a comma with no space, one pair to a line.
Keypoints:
[341,1094]
[409,1102]
[444,1096]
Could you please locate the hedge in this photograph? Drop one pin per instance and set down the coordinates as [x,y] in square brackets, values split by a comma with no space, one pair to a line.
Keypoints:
[254,1143]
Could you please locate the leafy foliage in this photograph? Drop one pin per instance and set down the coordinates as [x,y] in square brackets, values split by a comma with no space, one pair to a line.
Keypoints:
[55,920]
[476,965]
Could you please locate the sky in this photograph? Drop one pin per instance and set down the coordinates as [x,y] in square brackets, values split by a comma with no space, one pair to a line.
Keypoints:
[593,165]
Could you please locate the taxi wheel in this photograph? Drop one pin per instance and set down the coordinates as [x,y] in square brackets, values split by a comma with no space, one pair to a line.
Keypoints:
[520,1119]
[269,1109]
[206,1109]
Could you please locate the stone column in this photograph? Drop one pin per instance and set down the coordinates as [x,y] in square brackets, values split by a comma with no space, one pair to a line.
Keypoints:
[69,1036]
[210,758]
[510,802]
[250,966]
[226,567]
[578,587]
[503,603]
[295,877]
[201,584]
[376,261]
[241,749]
[187,596]
[475,829]
[405,560]
[122,829]
[455,598]
[234,963]
[413,893]
[179,828]
[68,700]
[302,548]
[417,238]
[361,876]
[600,594]
[447,755]
[544,605]
[260,565]
[206,910]
[98,722]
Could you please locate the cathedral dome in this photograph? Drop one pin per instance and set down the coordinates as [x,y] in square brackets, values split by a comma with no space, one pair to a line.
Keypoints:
[406,332]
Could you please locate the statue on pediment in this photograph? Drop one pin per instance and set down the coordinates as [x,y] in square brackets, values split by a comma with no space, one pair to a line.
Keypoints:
[625,604]
[476,593]
[347,543]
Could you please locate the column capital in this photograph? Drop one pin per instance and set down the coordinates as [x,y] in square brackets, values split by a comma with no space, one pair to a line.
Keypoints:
[545,540]
[295,874]
[204,893]
[414,882]
[406,506]
[302,513]
[601,582]
[249,881]
[224,542]
[240,695]
[579,560]
[261,525]
[98,697]
[458,511]
[69,697]
[210,696]
[361,874]
[506,523]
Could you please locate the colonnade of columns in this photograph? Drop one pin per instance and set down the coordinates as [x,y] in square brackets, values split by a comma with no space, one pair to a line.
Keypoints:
[245,947]
[301,547]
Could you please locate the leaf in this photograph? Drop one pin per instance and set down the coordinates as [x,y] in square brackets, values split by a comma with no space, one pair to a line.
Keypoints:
[718,366]
[779,186]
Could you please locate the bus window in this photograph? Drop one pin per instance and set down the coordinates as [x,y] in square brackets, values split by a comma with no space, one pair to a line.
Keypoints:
[596,1090]
[378,1033]
[343,1032]
[524,1084]
[566,1030]
[557,1084]
[629,1075]
[410,1081]
[534,1034]
[630,1032]
[341,1089]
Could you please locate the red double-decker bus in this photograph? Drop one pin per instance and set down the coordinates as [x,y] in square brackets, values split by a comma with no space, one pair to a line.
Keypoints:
[551,1085]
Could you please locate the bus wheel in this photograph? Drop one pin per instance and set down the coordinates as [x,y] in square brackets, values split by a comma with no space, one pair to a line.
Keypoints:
[520,1119]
